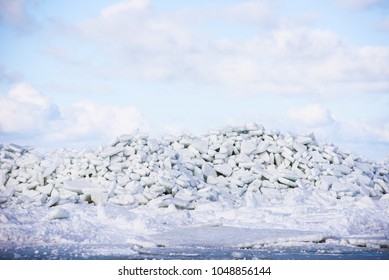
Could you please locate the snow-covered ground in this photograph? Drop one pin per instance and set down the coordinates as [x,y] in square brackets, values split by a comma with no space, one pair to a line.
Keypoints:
[236,187]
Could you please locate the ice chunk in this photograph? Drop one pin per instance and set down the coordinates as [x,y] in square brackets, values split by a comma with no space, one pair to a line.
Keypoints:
[329,179]
[288,156]
[212,180]
[186,194]
[11,182]
[224,169]
[153,145]
[167,163]
[252,199]
[290,175]
[342,187]
[303,140]
[15,148]
[165,182]
[53,200]
[125,138]
[254,126]
[183,181]
[50,168]
[3,199]
[317,157]
[342,169]
[78,186]
[200,145]
[262,147]
[2,178]
[274,149]
[208,170]
[124,199]
[271,193]
[248,146]
[301,148]
[116,167]
[46,189]
[247,178]
[134,187]
[58,213]
[110,151]
[287,182]
[363,180]
[178,202]
[99,197]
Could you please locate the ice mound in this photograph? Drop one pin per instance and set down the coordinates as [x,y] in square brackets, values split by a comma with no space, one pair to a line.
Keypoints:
[239,164]
[243,187]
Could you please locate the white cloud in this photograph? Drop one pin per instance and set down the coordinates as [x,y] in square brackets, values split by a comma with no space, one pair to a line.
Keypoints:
[87,121]
[252,12]
[238,69]
[305,43]
[359,4]
[384,24]
[133,25]
[25,110]
[365,131]
[314,115]
[374,61]
[14,13]
[364,137]
[28,117]
[123,7]
[62,53]
[301,61]
[135,42]
[131,41]
[8,76]
[25,93]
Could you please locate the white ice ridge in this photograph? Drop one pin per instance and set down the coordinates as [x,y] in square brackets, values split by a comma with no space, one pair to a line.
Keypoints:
[272,188]
[242,164]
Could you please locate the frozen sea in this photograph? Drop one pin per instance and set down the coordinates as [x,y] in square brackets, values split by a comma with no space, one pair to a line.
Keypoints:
[236,193]
[126,252]
[275,232]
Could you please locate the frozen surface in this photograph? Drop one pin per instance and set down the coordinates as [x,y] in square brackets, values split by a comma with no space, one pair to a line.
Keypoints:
[234,189]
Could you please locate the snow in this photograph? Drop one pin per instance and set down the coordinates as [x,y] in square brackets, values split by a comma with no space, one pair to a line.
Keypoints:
[58,213]
[236,187]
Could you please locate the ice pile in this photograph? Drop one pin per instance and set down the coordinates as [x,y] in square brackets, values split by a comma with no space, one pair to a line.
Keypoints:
[233,164]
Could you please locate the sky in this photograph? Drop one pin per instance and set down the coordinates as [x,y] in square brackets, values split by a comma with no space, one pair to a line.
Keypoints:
[79,73]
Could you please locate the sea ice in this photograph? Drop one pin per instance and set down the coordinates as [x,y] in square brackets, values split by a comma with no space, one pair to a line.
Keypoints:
[258,187]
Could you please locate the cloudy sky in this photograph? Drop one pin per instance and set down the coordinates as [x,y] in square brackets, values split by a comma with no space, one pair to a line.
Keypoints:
[78,73]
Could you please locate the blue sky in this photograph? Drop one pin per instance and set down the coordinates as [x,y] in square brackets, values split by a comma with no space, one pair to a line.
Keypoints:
[78,73]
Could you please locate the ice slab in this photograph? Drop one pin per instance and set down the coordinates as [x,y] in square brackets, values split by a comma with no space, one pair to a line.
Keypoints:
[225,236]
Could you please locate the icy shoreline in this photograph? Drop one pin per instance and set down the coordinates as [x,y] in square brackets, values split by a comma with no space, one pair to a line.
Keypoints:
[234,184]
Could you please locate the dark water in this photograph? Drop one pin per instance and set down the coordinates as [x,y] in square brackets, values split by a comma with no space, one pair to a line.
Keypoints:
[120,252]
